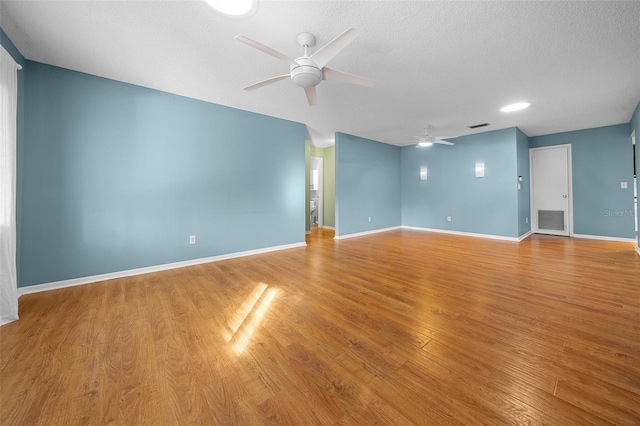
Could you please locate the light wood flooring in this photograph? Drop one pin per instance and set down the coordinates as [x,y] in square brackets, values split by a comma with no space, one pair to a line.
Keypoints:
[396,328]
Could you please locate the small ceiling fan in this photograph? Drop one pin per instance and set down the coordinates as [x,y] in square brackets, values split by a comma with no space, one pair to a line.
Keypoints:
[428,140]
[308,71]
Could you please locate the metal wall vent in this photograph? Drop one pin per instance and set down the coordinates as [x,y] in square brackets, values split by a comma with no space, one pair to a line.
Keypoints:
[551,219]
[475,126]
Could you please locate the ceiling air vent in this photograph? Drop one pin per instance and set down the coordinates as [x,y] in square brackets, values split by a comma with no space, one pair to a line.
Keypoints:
[475,126]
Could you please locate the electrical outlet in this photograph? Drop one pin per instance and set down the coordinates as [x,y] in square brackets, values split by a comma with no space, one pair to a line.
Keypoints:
[448,218]
[369,218]
[623,185]
[192,239]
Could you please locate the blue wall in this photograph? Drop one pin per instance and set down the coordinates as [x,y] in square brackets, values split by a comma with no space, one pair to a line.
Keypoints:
[524,193]
[17,56]
[367,185]
[116,177]
[601,159]
[486,205]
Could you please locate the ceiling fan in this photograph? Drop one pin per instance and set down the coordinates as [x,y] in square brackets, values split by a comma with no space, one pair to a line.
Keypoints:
[428,140]
[308,71]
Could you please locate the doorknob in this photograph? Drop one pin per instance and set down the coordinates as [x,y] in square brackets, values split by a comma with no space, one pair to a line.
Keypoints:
[564,196]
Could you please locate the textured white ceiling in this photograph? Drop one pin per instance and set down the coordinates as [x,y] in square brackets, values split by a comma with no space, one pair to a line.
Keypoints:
[451,64]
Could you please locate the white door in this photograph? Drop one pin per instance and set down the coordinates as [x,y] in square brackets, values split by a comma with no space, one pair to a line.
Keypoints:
[551,200]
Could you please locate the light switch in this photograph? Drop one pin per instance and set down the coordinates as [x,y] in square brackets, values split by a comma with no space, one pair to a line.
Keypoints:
[623,185]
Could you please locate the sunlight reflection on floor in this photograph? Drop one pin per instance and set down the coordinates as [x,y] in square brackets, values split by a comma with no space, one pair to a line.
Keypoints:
[241,327]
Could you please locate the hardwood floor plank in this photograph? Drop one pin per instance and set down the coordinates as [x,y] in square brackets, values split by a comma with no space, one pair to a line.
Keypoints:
[438,385]
[417,407]
[504,387]
[603,399]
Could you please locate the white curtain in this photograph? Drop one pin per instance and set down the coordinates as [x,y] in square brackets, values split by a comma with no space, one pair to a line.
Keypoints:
[8,114]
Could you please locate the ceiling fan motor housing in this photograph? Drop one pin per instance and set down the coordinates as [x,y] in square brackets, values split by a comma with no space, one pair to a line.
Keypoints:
[305,73]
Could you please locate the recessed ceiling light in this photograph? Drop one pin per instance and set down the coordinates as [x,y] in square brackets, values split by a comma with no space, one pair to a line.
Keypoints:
[515,107]
[234,8]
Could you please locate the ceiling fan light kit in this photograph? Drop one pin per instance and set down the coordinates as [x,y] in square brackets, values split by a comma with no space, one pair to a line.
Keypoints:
[305,73]
[427,140]
[308,71]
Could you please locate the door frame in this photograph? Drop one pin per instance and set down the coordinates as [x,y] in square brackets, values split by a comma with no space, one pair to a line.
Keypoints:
[635,185]
[534,219]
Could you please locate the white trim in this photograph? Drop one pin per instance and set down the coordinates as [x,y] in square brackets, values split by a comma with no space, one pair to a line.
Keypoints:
[604,238]
[525,235]
[328,227]
[307,232]
[638,250]
[465,234]
[361,234]
[157,268]
[5,53]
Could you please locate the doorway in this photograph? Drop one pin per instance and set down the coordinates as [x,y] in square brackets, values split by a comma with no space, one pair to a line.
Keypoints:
[635,183]
[551,194]
[315,191]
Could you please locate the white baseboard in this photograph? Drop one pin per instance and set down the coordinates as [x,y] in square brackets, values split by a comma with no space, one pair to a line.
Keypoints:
[157,268]
[329,227]
[525,235]
[4,321]
[603,238]
[361,234]
[467,234]
[638,250]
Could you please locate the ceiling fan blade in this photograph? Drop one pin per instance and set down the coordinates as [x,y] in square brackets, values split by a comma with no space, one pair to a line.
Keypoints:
[441,142]
[266,82]
[331,74]
[311,95]
[266,49]
[331,49]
